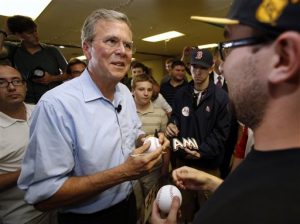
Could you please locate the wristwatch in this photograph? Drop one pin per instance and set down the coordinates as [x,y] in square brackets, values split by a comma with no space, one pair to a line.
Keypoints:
[4,33]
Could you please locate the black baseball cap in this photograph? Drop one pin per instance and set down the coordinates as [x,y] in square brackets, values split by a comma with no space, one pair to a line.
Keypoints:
[272,17]
[201,57]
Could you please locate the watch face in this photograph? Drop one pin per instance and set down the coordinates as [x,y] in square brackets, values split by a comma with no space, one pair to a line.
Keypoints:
[38,73]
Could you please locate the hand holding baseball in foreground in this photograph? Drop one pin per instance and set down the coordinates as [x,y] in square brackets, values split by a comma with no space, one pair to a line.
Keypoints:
[172,216]
[193,179]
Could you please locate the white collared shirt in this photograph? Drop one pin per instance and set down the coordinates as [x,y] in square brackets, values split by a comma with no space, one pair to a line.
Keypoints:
[216,78]
[14,136]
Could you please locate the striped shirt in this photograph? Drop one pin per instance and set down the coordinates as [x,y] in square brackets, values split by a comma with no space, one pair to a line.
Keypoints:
[153,118]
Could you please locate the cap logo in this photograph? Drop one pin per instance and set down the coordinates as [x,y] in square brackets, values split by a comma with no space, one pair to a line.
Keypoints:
[270,10]
[199,55]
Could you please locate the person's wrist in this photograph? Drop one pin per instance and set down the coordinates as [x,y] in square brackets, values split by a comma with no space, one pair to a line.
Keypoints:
[3,33]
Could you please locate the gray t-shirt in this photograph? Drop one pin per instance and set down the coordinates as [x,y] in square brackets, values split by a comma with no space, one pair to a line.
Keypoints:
[49,58]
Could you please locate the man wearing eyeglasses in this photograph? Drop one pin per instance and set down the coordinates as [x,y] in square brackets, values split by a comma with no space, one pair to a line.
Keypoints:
[14,136]
[82,156]
[262,68]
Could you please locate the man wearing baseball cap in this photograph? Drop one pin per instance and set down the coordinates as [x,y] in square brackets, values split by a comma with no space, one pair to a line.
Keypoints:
[261,64]
[199,127]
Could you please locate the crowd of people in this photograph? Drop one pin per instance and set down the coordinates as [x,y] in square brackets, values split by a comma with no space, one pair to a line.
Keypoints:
[73,134]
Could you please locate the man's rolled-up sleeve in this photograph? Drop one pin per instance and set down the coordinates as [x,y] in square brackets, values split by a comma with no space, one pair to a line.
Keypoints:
[48,159]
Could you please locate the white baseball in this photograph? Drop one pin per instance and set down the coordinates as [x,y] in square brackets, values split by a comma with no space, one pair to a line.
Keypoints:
[154,143]
[165,196]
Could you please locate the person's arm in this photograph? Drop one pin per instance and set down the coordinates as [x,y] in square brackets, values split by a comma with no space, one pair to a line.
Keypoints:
[78,189]
[61,65]
[167,154]
[8,180]
[185,178]
[172,130]
[239,153]
[193,179]
[186,54]
[165,106]
[213,145]
[3,50]
[48,78]
[3,35]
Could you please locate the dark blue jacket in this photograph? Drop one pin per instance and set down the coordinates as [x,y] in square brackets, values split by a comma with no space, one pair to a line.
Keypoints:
[208,123]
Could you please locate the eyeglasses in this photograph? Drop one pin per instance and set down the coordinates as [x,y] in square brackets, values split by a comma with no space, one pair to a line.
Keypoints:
[114,42]
[16,82]
[226,47]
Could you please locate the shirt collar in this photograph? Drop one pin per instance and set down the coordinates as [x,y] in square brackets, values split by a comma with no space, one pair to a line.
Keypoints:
[93,92]
[150,109]
[216,76]
[6,121]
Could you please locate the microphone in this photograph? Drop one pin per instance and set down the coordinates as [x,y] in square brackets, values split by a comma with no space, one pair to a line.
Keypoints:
[118,108]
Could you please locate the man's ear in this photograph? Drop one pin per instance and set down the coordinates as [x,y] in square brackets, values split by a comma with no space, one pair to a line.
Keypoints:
[86,50]
[286,65]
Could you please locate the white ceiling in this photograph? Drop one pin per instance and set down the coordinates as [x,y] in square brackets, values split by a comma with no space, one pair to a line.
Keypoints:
[61,22]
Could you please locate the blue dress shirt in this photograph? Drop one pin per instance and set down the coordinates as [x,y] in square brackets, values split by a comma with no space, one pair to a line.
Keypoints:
[76,131]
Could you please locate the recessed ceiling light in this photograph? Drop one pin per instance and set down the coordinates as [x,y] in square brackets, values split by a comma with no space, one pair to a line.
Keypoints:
[163,36]
[31,8]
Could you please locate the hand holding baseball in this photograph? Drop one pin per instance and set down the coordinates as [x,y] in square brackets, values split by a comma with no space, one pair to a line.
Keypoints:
[165,196]
[172,215]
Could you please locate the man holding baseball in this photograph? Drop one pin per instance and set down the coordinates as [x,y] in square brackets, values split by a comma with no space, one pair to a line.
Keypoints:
[83,132]
[261,64]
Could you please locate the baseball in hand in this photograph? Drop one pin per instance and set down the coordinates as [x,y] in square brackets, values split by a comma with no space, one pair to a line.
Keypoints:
[154,143]
[165,196]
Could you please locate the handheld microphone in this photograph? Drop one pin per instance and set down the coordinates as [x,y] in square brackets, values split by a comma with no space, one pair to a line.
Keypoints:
[118,108]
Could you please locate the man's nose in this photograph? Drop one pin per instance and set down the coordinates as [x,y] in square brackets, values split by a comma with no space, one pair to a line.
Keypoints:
[11,86]
[121,48]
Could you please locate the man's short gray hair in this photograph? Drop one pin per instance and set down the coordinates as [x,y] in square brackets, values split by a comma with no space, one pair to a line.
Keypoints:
[88,28]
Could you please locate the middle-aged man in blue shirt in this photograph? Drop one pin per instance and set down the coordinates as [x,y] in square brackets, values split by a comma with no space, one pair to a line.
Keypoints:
[81,157]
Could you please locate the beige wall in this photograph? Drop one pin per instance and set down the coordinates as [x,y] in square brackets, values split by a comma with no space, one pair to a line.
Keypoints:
[157,68]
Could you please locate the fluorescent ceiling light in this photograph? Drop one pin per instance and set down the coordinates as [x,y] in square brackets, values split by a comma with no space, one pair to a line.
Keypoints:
[163,36]
[31,8]
[82,58]
[208,46]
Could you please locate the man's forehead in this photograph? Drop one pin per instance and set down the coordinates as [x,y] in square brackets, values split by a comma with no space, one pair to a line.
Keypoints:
[144,82]
[111,24]
[7,71]
[178,67]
